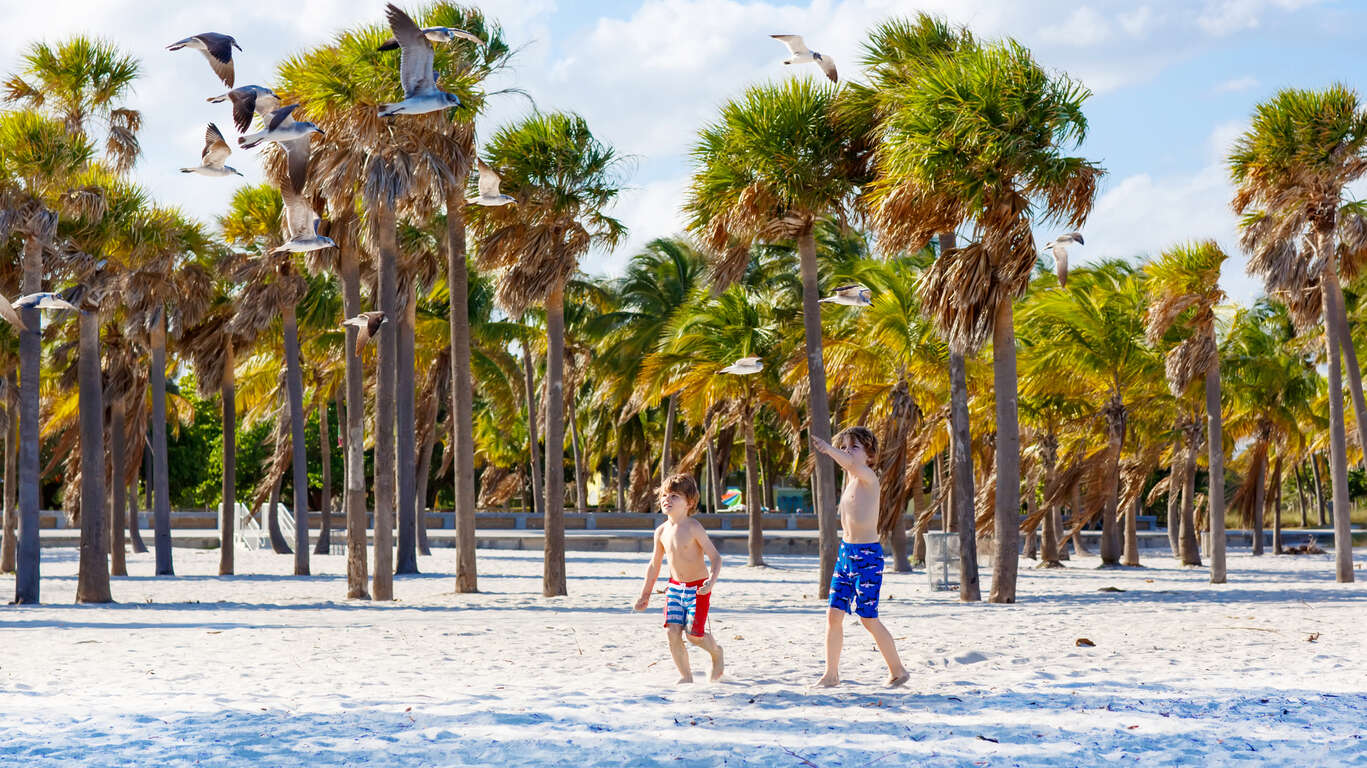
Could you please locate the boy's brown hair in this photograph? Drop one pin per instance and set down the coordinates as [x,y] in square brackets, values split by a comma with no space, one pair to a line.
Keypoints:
[861,435]
[685,486]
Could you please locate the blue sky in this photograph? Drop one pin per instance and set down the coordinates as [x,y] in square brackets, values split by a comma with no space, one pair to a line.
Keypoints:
[1174,82]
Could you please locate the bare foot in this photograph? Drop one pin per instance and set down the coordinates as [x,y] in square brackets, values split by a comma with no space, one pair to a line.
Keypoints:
[827,681]
[716,666]
[897,681]
[684,680]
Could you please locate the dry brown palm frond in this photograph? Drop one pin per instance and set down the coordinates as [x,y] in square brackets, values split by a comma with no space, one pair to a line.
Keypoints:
[1189,361]
[498,485]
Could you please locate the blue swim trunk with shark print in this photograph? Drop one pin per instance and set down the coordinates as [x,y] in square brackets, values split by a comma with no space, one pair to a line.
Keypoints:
[857,579]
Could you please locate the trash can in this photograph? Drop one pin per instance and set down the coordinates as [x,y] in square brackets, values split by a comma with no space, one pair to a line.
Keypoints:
[942,560]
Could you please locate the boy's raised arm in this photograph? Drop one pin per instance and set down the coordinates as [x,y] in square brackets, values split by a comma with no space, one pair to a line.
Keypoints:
[652,573]
[850,464]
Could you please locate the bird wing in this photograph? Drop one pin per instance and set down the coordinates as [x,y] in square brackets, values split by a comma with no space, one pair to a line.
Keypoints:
[244,104]
[828,66]
[297,153]
[463,35]
[218,49]
[488,180]
[415,63]
[848,288]
[216,150]
[10,316]
[279,116]
[298,215]
[794,43]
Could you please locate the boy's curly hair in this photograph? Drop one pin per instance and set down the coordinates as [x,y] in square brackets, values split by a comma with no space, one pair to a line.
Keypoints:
[861,435]
[684,485]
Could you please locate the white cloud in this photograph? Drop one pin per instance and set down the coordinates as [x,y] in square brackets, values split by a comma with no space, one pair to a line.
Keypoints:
[1238,84]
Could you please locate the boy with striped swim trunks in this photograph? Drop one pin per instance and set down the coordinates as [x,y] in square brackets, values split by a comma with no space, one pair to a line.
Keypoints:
[858,573]
[689,594]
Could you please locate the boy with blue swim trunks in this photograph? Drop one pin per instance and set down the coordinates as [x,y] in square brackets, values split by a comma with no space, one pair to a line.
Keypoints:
[859,570]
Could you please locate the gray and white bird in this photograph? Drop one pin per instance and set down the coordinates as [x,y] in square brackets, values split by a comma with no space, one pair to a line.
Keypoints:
[1059,248]
[218,49]
[367,324]
[293,136]
[744,366]
[9,315]
[853,295]
[247,100]
[436,35]
[488,188]
[420,92]
[44,300]
[301,224]
[801,55]
[216,151]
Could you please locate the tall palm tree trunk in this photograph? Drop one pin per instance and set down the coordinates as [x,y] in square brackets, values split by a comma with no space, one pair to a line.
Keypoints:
[1131,551]
[1115,430]
[118,562]
[1338,443]
[161,481]
[325,463]
[1319,488]
[1275,495]
[1216,452]
[425,450]
[553,573]
[1259,501]
[26,581]
[227,511]
[533,440]
[11,522]
[622,470]
[1338,315]
[1300,495]
[134,527]
[581,493]
[753,510]
[382,580]
[1190,549]
[462,389]
[92,579]
[294,384]
[666,451]
[961,471]
[278,544]
[406,444]
[1006,558]
[1175,497]
[354,496]
[819,408]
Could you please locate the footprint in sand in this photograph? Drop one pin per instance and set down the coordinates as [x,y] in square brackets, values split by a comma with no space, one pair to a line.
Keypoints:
[972,657]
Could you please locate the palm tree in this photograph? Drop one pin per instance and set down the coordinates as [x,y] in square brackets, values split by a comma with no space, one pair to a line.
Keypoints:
[1290,170]
[1094,330]
[708,335]
[563,180]
[37,157]
[979,136]
[1184,287]
[774,163]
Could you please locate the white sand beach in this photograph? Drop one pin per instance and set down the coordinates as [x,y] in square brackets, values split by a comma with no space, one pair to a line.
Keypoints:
[270,669]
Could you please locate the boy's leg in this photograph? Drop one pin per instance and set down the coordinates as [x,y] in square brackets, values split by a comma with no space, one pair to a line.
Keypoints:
[709,644]
[897,674]
[679,652]
[835,639]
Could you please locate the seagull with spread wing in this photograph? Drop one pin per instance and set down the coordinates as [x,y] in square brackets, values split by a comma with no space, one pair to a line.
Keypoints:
[301,224]
[218,49]
[800,54]
[367,324]
[293,136]
[436,35]
[853,295]
[216,151]
[488,188]
[1059,248]
[249,100]
[420,92]
[744,366]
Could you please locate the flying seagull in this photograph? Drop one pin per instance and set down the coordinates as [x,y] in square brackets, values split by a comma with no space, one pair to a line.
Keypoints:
[293,136]
[9,315]
[367,324]
[218,49]
[801,55]
[853,295]
[488,188]
[420,92]
[216,151]
[744,366]
[436,35]
[246,100]
[1059,247]
[43,301]
[301,223]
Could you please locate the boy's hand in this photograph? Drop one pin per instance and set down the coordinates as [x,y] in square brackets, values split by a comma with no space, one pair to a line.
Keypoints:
[705,587]
[822,446]
[643,602]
